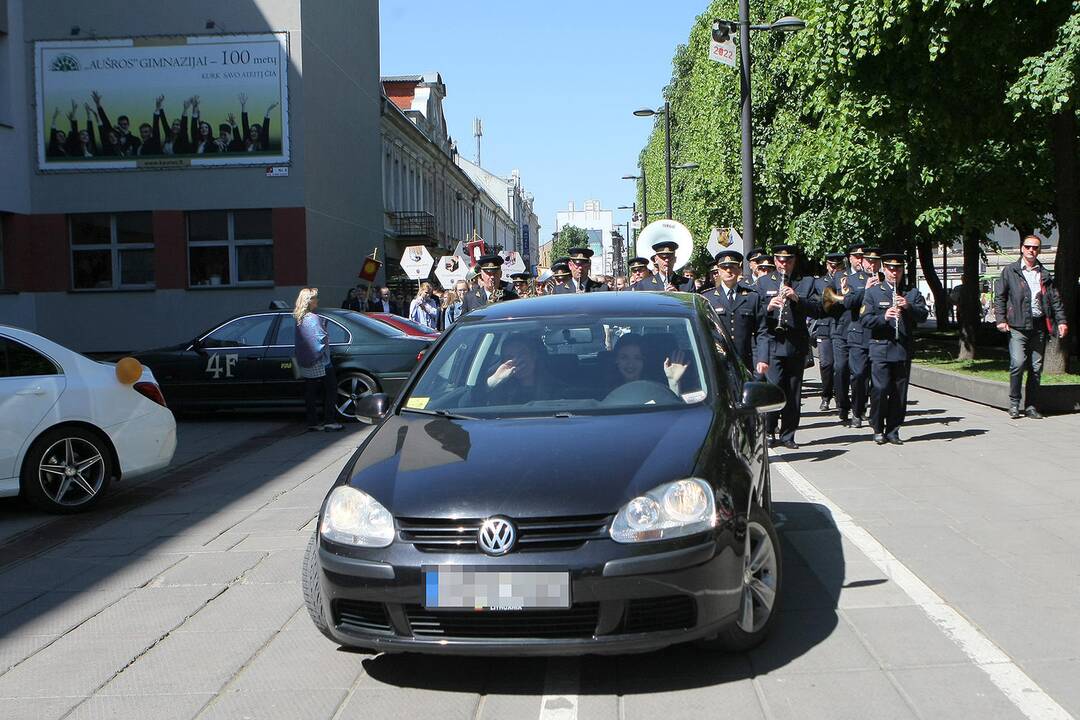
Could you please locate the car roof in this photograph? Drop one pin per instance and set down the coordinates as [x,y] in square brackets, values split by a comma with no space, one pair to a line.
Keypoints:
[601,303]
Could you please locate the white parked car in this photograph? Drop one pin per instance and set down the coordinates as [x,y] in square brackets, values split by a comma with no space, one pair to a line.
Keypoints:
[69,426]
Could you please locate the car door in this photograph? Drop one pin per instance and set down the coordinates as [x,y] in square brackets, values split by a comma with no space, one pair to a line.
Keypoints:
[30,385]
[280,378]
[227,364]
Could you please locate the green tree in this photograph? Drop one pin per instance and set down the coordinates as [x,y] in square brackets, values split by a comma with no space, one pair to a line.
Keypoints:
[570,236]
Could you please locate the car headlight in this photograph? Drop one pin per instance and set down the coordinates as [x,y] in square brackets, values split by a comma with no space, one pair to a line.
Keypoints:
[355,518]
[675,509]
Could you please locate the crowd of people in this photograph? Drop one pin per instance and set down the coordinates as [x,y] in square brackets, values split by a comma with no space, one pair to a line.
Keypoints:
[189,134]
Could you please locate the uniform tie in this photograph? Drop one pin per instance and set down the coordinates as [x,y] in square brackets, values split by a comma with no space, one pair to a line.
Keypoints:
[730,296]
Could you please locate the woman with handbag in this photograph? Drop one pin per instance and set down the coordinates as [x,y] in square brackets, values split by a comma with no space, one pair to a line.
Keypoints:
[312,361]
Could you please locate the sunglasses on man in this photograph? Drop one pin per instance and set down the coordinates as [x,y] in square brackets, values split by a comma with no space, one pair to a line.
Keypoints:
[1036,248]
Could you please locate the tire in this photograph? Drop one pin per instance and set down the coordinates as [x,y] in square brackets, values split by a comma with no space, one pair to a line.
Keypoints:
[67,470]
[350,388]
[310,580]
[750,629]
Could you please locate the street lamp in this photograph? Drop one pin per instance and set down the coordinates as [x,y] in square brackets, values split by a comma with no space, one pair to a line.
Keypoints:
[666,110]
[785,24]
[644,192]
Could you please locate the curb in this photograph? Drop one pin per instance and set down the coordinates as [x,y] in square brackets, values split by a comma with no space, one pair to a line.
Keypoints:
[1054,398]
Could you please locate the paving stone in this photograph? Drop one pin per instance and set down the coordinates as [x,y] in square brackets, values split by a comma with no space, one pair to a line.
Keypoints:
[12,599]
[189,662]
[212,568]
[290,705]
[72,666]
[389,705]
[14,650]
[733,699]
[831,696]
[42,573]
[120,573]
[49,708]
[150,612]
[904,637]
[179,706]
[271,521]
[54,613]
[266,543]
[961,691]
[248,607]
[280,566]
[811,641]
[109,548]
[1058,678]
[1029,633]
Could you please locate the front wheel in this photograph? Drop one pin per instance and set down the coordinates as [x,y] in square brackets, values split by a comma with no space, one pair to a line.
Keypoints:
[312,586]
[350,389]
[67,470]
[762,579]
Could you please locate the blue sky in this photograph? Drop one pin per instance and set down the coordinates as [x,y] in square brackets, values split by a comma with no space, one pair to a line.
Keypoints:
[555,84]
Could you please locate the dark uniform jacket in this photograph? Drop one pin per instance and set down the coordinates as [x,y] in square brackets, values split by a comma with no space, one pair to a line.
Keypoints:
[843,321]
[743,319]
[655,283]
[881,331]
[570,287]
[822,326]
[477,297]
[1012,298]
[792,337]
[853,303]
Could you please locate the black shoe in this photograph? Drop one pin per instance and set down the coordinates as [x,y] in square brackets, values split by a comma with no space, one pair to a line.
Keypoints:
[1034,414]
[879,438]
[791,445]
[1014,412]
[894,439]
[844,421]
[857,422]
[824,406]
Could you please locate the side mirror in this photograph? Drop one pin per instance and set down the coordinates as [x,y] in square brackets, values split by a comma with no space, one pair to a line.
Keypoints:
[371,409]
[760,397]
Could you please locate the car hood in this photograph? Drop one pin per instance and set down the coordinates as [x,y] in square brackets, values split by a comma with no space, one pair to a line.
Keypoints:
[427,467]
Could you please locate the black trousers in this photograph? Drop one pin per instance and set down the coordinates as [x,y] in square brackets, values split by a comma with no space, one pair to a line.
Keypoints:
[841,375]
[825,366]
[787,372]
[325,386]
[888,395]
[859,362]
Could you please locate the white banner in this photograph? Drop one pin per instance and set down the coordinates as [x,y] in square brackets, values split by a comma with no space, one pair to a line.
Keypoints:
[169,102]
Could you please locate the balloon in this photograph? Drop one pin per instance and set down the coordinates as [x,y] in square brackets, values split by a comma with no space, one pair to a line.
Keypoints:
[128,370]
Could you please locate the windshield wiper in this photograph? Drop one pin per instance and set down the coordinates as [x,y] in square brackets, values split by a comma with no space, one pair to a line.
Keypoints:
[439,413]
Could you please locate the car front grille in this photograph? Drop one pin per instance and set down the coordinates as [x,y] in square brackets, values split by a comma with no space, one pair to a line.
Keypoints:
[671,612]
[578,621]
[534,534]
[361,616]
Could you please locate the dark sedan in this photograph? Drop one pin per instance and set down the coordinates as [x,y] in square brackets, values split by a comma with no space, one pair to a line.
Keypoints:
[247,361]
[572,474]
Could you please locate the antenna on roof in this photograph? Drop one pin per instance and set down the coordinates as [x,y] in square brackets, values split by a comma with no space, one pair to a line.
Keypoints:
[478,131]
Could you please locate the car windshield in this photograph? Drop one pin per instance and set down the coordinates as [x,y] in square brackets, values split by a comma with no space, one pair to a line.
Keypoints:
[561,366]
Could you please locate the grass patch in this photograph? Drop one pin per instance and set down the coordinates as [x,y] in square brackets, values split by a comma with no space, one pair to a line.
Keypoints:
[938,350]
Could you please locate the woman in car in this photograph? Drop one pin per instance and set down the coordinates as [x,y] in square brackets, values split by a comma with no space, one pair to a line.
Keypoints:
[631,365]
[313,361]
[520,377]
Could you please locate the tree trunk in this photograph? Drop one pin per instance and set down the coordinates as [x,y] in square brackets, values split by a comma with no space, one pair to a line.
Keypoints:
[941,298]
[969,313]
[1067,212]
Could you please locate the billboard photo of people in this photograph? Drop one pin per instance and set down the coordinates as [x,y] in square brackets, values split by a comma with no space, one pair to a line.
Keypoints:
[164,102]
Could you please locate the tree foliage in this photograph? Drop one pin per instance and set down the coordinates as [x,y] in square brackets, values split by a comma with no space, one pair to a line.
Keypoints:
[569,236]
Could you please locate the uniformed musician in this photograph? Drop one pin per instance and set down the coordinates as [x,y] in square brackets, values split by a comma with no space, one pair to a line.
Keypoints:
[858,345]
[665,279]
[765,266]
[520,281]
[738,305]
[788,299]
[889,318]
[753,258]
[560,275]
[580,263]
[491,287]
[841,285]
[639,270]
[822,331]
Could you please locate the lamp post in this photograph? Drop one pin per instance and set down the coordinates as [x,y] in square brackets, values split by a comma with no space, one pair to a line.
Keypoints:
[784,24]
[630,245]
[644,192]
[666,112]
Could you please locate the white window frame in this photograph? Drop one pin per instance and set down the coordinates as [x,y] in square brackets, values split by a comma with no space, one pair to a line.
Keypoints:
[232,244]
[115,247]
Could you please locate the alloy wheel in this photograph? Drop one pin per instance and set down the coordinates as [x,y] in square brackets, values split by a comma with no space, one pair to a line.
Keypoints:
[71,471]
[759,578]
[349,392]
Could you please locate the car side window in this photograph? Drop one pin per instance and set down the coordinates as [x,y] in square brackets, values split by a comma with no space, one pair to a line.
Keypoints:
[286,332]
[337,334]
[18,360]
[247,331]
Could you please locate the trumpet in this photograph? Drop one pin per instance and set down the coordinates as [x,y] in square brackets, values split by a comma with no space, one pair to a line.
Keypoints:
[497,293]
[832,302]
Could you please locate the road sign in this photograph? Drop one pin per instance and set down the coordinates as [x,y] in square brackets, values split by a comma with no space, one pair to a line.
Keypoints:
[417,262]
[722,45]
[451,268]
[512,262]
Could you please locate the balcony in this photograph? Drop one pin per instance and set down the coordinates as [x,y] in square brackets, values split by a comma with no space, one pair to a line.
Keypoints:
[414,224]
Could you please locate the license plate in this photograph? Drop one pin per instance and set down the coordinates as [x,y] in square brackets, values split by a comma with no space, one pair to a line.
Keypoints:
[457,587]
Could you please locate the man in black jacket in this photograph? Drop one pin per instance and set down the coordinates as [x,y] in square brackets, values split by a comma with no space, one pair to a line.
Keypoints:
[491,289]
[738,306]
[579,262]
[664,279]
[1027,306]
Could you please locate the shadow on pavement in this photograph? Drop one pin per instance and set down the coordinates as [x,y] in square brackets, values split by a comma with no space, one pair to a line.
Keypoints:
[948,435]
[811,455]
[806,617]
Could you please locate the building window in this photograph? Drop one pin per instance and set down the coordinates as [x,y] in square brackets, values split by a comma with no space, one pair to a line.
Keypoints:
[112,251]
[230,248]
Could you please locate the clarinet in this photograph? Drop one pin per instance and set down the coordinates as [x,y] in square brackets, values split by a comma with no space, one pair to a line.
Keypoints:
[784,282]
[895,303]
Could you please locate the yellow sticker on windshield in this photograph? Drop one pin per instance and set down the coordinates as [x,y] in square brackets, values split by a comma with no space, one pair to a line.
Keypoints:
[417,403]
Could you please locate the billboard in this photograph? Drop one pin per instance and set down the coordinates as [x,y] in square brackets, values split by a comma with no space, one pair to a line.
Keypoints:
[162,102]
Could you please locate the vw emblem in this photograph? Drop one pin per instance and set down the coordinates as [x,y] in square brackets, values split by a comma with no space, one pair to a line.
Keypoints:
[496,536]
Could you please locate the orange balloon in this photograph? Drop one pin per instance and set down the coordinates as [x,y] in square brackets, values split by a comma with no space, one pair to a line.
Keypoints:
[128,370]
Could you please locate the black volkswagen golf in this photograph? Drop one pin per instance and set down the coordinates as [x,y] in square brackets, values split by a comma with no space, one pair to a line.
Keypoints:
[567,474]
